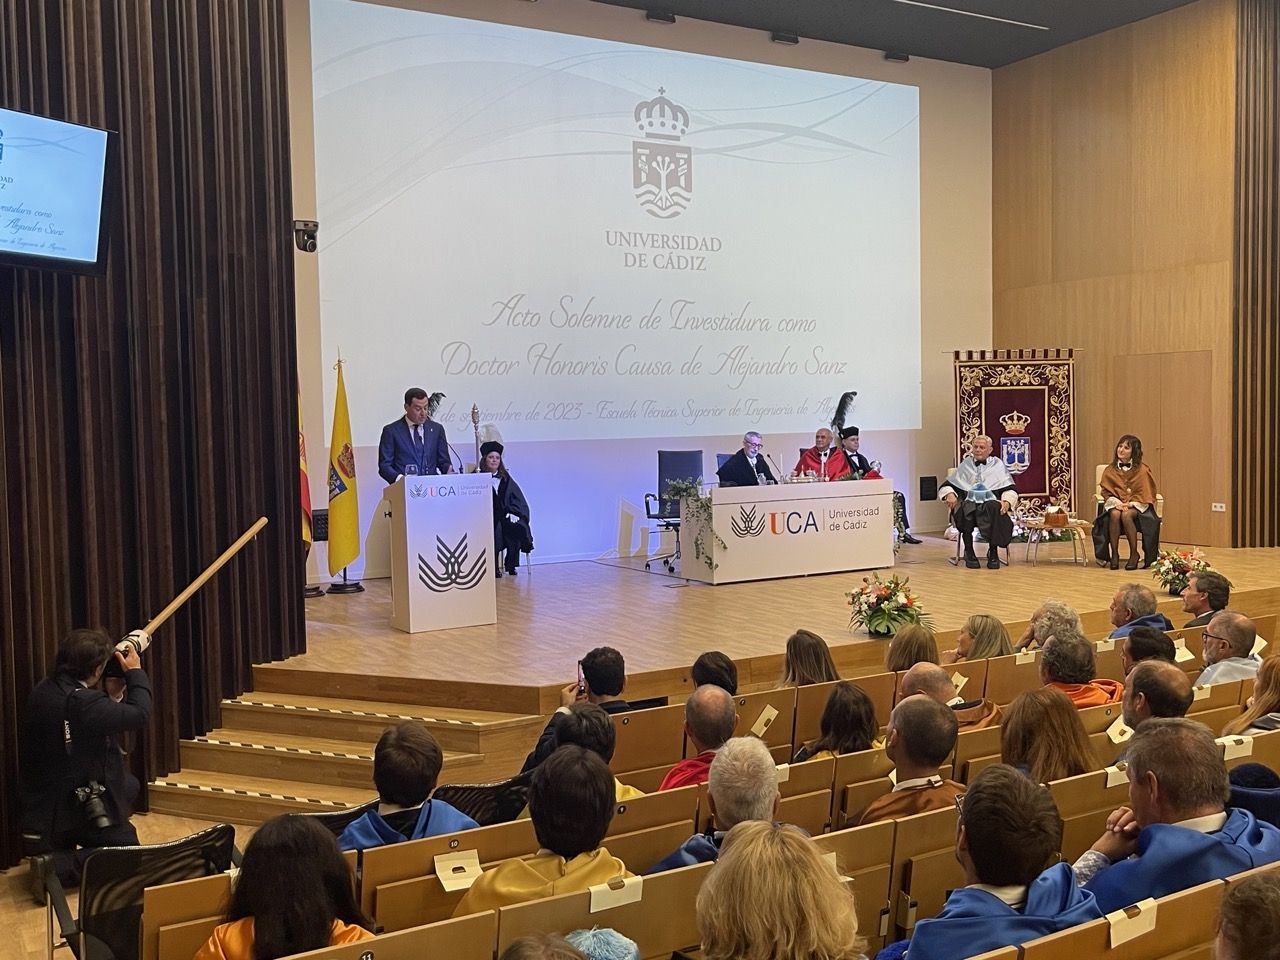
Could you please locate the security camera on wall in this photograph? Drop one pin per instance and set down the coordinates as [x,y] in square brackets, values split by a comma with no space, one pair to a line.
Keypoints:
[304,235]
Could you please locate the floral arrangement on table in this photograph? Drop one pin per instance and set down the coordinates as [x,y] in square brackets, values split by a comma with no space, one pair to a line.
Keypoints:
[698,508]
[1173,568]
[883,606]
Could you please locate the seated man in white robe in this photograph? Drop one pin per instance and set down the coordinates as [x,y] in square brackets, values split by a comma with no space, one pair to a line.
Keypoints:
[980,493]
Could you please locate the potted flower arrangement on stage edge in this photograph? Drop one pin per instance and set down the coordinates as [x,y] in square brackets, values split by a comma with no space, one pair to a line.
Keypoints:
[882,606]
[1173,568]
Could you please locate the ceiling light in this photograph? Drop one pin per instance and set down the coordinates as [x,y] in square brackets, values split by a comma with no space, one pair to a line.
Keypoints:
[970,13]
[659,16]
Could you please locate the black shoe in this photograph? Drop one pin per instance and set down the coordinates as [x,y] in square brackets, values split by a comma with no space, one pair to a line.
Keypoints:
[971,561]
[993,561]
[908,538]
[1115,563]
[1131,563]
[511,571]
[497,574]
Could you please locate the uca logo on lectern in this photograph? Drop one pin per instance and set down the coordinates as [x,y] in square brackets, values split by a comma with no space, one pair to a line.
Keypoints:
[453,570]
[748,523]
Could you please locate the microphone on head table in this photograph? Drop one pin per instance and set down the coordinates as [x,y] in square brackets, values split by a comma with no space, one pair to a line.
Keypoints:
[778,479]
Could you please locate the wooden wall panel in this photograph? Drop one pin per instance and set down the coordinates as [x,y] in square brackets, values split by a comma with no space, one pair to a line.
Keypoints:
[1138,167]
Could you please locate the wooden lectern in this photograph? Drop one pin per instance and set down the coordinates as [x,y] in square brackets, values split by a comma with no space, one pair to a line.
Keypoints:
[442,559]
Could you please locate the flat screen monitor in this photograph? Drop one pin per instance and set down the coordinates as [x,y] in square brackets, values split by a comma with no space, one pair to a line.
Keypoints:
[53,180]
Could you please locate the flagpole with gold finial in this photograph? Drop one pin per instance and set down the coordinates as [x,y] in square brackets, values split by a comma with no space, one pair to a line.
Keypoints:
[475,426]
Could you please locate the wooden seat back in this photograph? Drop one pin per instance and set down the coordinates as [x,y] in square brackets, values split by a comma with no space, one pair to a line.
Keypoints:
[975,672]
[811,701]
[806,777]
[641,850]
[653,810]
[177,918]
[466,938]
[1214,696]
[416,858]
[971,745]
[865,855]
[660,922]
[1185,927]
[1084,803]
[1006,677]
[924,867]
[647,738]
[779,733]
[809,811]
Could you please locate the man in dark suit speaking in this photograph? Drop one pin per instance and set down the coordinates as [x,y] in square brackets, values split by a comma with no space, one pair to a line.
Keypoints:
[413,441]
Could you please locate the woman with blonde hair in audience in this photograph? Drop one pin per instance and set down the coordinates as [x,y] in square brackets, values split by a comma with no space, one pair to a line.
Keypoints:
[912,644]
[1263,711]
[771,895]
[1042,735]
[981,637]
[294,894]
[848,725]
[808,660]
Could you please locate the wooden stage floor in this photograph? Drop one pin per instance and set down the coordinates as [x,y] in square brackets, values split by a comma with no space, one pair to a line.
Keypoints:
[548,618]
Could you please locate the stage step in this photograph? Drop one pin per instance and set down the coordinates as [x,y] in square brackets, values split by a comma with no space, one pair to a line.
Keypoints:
[300,758]
[210,795]
[364,720]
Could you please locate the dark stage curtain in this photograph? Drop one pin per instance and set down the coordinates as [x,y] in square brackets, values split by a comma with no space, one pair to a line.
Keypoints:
[1256,381]
[149,416]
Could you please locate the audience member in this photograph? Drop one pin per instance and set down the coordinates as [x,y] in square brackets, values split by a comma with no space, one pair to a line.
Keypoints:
[1249,924]
[933,681]
[1135,606]
[709,720]
[981,637]
[294,893]
[601,943]
[1205,594]
[1262,713]
[848,725]
[1155,688]
[912,644]
[587,725]
[1015,889]
[715,667]
[1176,831]
[808,660]
[1256,788]
[1227,649]
[571,801]
[603,678]
[1145,643]
[921,735]
[742,785]
[406,766]
[1053,618]
[1042,736]
[546,946]
[1069,664]
[771,896]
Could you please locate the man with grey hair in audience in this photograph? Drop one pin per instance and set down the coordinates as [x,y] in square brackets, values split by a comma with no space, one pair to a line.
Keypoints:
[1155,688]
[1176,831]
[709,720]
[1052,619]
[1069,664]
[933,681]
[1135,606]
[1227,649]
[742,786]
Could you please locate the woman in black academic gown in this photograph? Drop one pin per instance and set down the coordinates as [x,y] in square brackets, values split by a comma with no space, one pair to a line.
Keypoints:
[510,510]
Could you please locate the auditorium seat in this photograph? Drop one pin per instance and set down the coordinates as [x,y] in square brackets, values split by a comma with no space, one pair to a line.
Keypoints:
[924,868]
[647,739]
[973,745]
[865,855]
[753,713]
[642,849]
[1185,927]
[1084,803]
[466,938]
[177,918]
[661,921]
[1009,676]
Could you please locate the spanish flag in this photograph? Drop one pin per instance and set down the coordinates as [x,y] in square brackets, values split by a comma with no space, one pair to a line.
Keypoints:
[344,508]
[304,478]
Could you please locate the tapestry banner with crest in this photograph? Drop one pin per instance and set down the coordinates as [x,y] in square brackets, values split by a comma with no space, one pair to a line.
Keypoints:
[1024,400]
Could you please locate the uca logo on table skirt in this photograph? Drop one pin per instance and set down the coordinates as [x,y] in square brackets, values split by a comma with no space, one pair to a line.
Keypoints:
[454,571]
[750,523]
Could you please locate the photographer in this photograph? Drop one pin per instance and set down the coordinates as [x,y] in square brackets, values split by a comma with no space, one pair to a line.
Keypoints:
[75,789]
